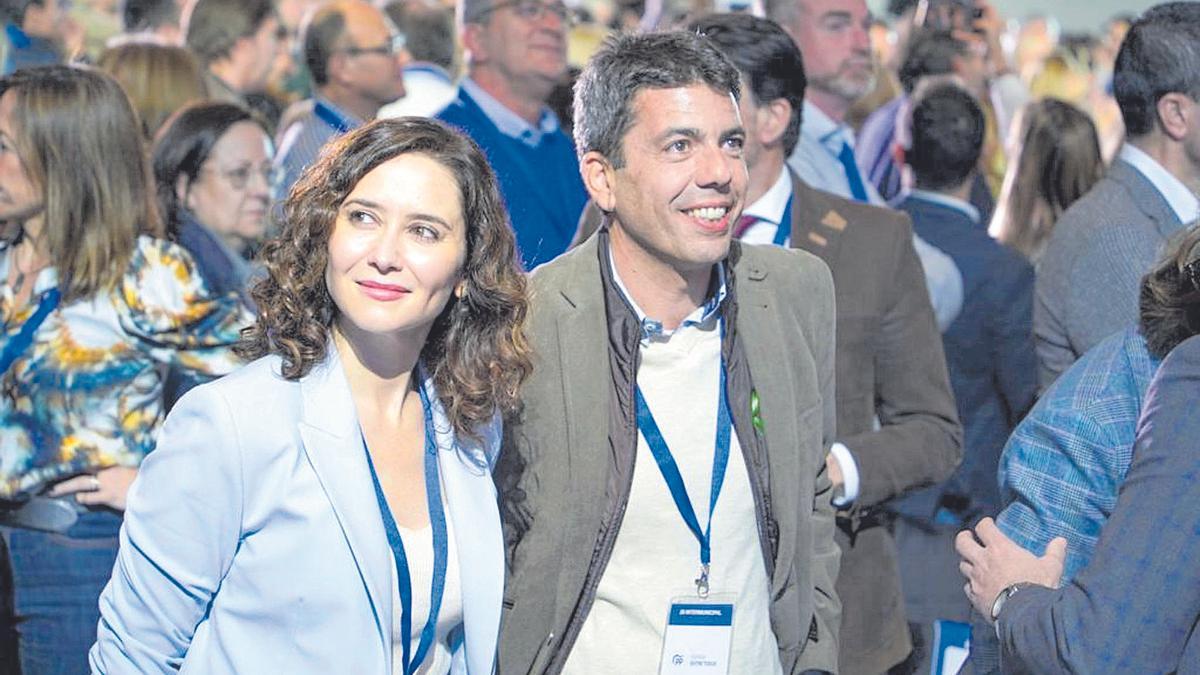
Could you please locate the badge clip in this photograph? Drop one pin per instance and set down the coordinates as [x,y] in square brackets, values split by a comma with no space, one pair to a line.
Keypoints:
[702,582]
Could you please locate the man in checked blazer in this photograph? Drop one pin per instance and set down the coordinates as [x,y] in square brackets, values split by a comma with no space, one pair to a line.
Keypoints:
[889,363]
[1135,607]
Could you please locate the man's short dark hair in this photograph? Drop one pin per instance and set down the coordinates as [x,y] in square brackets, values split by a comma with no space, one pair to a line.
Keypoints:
[13,11]
[947,137]
[429,31]
[322,36]
[215,26]
[1160,55]
[766,56]
[929,52]
[628,63]
[147,15]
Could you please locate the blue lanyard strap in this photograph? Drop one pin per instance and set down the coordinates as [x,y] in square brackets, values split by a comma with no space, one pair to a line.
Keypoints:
[17,344]
[785,224]
[329,116]
[670,472]
[437,519]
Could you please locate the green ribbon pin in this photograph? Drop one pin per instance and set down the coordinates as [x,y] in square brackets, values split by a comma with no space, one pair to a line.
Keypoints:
[755,411]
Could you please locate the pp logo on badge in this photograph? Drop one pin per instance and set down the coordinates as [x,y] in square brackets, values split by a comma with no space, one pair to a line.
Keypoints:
[677,660]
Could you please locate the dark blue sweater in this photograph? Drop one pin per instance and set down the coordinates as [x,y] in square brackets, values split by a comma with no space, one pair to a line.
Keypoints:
[540,185]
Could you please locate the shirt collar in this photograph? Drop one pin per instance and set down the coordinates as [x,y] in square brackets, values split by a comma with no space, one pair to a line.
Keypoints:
[822,127]
[947,201]
[770,206]
[652,329]
[508,122]
[1182,200]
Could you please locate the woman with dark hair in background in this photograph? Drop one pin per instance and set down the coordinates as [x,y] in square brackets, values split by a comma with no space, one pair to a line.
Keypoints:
[1058,161]
[329,507]
[212,168]
[93,303]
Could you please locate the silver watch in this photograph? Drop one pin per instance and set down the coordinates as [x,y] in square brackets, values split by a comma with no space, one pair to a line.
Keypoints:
[998,603]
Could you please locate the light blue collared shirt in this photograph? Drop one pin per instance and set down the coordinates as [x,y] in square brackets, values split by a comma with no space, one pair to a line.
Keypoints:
[508,122]
[947,201]
[652,329]
[1181,200]
[815,159]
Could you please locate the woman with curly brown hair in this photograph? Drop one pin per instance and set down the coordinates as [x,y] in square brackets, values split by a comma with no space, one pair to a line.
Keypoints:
[329,508]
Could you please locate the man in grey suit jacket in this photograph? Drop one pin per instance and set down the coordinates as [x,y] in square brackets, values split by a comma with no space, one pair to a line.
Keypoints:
[890,365]
[651,334]
[1134,608]
[1088,278]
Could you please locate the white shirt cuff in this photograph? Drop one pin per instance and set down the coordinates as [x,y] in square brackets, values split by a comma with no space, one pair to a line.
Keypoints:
[849,475]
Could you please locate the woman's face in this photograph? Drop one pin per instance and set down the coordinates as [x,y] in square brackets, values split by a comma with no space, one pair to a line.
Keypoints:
[398,248]
[231,192]
[19,197]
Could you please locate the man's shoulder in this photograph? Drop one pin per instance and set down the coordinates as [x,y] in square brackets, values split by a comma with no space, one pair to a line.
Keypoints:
[1108,209]
[795,266]
[458,113]
[863,224]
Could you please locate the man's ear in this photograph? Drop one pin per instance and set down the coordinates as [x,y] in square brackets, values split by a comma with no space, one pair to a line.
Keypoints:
[772,121]
[1175,111]
[473,42]
[599,177]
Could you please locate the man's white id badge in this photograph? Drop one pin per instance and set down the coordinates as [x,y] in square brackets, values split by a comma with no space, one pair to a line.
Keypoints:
[698,638]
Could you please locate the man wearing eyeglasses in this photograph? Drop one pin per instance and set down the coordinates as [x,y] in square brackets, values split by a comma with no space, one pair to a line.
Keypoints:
[516,52]
[356,61]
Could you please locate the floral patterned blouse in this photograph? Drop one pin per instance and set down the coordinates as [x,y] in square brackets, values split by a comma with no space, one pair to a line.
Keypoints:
[87,393]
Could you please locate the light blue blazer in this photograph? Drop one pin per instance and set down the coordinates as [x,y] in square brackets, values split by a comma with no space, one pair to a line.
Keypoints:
[253,542]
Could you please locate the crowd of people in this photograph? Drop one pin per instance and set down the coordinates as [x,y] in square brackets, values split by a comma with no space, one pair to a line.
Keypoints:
[523,337]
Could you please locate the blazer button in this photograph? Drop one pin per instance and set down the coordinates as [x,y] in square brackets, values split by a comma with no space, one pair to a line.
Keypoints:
[550,639]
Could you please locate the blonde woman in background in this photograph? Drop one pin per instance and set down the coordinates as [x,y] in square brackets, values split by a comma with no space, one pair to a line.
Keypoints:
[1057,161]
[159,79]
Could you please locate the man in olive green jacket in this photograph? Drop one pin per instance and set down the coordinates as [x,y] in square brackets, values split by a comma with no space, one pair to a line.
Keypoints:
[658,317]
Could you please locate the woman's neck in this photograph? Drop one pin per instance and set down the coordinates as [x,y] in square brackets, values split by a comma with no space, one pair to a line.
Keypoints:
[380,368]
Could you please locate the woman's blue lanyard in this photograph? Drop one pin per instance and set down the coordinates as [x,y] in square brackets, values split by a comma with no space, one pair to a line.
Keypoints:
[670,472]
[785,225]
[437,519]
[17,344]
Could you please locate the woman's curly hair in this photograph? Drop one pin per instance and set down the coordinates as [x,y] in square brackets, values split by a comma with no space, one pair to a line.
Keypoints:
[1169,302]
[476,351]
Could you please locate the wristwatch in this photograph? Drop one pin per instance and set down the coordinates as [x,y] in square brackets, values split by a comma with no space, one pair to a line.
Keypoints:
[998,603]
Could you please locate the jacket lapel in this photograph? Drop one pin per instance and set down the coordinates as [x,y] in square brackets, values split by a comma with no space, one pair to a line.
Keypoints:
[817,225]
[471,505]
[333,443]
[584,362]
[1146,197]
[766,352]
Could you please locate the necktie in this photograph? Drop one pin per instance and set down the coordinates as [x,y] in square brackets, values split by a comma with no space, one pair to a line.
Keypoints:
[846,157]
[744,223]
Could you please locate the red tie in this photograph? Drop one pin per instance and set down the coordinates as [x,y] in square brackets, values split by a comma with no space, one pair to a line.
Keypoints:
[744,224]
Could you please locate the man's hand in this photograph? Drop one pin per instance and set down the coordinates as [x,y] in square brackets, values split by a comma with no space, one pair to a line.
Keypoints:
[106,487]
[834,469]
[1000,563]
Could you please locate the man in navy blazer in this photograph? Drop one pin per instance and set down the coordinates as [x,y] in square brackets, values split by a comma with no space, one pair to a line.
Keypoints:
[1135,606]
[989,348]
